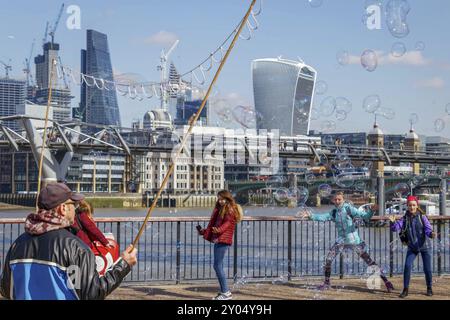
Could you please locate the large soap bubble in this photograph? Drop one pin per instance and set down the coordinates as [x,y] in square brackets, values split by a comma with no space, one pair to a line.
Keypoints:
[398,49]
[327,106]
[372,103]
[439,125]
[396,14]
[369,60]
[321,87]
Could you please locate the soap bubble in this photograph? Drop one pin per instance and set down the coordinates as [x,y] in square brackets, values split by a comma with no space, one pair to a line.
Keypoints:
[310,178]
[343,58]
[225,114]
[447,108]
[360,185]
[327,125]
[413,118]
[321,87]
[343,104]
[315,114]
[386,113]
[369,60]
[396,13]
[439,125]
[324,190]
[328,106]
[402,188]
[345,180]
[420,46]
[275,182]
[341,115]
[398,49]
[282,195]
[315,3]
[417,180]
[372,103]
[300,194]
[244,115]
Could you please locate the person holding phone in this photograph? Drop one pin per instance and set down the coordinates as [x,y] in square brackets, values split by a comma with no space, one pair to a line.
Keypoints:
[220,231]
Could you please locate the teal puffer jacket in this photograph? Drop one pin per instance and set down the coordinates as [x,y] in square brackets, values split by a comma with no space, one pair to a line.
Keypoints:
[345,224]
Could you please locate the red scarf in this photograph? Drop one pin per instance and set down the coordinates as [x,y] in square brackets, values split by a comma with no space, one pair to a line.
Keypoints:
[44,221]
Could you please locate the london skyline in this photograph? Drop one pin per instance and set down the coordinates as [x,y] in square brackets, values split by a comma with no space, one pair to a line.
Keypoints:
[413,83]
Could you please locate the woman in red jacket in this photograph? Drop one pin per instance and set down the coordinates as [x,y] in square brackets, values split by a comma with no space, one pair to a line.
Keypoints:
[85,225]
[220,231]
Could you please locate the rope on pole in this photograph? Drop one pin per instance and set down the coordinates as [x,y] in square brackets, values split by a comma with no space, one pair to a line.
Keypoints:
[191,126]
[49,99]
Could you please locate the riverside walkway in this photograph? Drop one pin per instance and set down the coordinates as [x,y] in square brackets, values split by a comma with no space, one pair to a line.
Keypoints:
[305,289]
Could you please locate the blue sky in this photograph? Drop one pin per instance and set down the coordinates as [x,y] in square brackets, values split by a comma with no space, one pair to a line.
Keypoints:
[138,30]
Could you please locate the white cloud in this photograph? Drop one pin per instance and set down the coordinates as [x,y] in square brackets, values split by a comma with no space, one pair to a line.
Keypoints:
[164,38]
[435,83]
[411,58]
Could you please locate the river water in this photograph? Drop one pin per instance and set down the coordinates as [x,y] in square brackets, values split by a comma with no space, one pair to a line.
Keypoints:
[178,212]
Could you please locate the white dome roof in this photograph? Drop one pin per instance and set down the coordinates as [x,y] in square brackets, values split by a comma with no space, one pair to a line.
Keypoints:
[376,130]
[412,135]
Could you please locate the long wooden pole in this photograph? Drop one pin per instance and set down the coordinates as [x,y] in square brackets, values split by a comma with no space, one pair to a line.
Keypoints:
[53,62]
[191,126]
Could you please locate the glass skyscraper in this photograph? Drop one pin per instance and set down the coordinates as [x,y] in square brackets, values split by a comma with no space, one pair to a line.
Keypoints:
[96,105]
[12,98]
[283,92]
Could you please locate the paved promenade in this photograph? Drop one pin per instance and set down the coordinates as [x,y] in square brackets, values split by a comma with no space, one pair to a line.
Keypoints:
[345,289]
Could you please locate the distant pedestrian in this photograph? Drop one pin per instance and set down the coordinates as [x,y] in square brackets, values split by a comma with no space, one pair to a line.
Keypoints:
[415,229]
[220,231]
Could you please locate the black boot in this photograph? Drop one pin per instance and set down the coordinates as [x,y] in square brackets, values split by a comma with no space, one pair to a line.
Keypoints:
[404,293]
[429,291]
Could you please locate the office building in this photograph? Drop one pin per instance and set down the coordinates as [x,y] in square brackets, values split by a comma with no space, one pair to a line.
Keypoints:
[12,99]
[283,94]
[98,106]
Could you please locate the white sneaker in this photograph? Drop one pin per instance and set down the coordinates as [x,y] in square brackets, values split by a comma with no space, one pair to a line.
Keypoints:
[223,296]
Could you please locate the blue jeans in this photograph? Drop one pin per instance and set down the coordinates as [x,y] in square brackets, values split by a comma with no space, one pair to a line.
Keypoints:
[219,253]
[426,258]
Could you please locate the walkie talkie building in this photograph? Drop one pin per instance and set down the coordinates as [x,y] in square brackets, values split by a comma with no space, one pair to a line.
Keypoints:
[283,92]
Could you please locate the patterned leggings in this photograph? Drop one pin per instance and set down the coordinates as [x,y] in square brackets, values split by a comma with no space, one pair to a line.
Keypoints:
[360,250]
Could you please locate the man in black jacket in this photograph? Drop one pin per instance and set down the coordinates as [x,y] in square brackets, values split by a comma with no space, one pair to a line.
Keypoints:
[48,262]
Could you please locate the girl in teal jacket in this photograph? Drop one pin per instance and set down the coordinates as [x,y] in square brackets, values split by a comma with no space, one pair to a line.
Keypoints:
[348,237]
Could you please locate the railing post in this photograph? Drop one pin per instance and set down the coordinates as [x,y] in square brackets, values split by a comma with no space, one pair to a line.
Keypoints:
[391,252]
[235,247]
[289,250]
[341,265]
[178,252]
[442,212]
[380,195]
[439,257]
[118,234]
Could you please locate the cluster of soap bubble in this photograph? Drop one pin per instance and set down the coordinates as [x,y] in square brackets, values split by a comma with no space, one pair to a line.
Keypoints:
[372,104]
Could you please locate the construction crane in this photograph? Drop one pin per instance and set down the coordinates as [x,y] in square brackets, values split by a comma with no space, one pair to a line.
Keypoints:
[27,69]
[163,67]
[53,29]
[7,68]
[44,39]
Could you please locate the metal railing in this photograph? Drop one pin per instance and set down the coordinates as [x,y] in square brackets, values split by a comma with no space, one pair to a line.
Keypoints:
[273,248]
